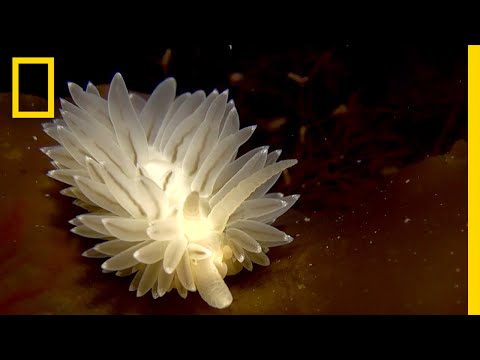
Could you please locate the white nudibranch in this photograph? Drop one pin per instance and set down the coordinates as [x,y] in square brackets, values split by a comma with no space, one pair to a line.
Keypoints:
[165,192]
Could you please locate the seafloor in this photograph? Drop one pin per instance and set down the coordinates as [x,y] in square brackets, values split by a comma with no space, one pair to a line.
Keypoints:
[381,227]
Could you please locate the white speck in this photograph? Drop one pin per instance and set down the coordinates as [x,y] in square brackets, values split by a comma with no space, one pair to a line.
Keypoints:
[36,181]
[451,253]
[407,220]
[457,270]
[47,195]
[359,161]
[326,246]
[300,287]
[28,147]
[34,138]
[407,181]
[230,46]
[456,286]
[296,221]
[307,219]
[371,242]
[297,235]
[414,253]
[461,230]
[338,237]
[310,264]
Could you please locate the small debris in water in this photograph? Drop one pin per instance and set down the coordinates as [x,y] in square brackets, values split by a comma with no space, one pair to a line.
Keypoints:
[307,219]
[47,195]
[34,138]
[407,181]
[407,220]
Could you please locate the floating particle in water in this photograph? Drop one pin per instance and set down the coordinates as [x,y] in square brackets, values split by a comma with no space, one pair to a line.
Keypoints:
[407,220]
[407,181]
[34,138]
[307,219]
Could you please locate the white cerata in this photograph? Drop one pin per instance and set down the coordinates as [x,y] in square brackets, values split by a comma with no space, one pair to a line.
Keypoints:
[165,192]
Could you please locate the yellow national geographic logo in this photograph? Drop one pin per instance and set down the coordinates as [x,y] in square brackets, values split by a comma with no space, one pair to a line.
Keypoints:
[16,113]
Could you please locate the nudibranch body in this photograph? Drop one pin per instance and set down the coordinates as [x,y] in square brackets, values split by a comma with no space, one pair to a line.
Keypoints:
[164,189]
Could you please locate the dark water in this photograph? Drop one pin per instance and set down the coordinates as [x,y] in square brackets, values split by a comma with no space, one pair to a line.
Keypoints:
[381,226]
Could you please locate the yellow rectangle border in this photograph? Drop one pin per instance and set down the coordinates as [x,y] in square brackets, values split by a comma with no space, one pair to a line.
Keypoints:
[16,113]
[473,179]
